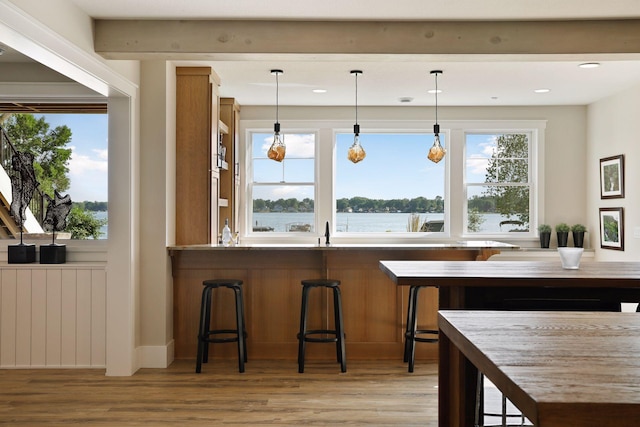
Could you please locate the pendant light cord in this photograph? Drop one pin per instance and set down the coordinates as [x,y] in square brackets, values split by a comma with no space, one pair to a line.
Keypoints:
[436,98]
[356,74]
[277,99]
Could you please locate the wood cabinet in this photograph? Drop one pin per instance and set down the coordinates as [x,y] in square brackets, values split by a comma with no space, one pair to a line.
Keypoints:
[229,170]
[197,176]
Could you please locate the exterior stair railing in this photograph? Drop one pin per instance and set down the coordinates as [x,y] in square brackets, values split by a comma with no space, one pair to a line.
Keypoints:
[7,150]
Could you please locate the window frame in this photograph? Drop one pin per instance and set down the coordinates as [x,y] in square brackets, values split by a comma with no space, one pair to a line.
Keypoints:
[533,175]
[455,181]
[392,236]
[247,213]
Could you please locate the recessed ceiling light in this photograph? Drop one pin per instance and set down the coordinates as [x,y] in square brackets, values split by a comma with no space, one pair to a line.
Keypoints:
[542,90]
[434,91]
[589,65]
[319,91]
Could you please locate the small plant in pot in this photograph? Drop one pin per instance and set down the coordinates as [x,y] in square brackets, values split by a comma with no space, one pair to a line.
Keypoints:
[562,232]
[545,235]
[578,231]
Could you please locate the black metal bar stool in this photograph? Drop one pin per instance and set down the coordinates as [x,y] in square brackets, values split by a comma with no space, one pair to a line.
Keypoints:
[206,335]
[412,333]
[304,335]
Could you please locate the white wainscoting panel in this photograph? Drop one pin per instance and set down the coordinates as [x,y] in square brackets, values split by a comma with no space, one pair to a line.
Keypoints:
[53,316]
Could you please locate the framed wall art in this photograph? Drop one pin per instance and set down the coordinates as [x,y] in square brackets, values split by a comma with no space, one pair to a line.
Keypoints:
[612,177]
[612,228]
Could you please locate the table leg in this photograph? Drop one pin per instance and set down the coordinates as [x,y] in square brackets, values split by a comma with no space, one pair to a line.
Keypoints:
[445,389]
[456,375]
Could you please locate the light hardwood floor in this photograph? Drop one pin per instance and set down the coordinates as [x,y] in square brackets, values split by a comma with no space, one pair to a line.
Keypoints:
[379,393]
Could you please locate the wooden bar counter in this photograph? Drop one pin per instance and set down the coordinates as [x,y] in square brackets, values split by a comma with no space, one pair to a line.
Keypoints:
[374,308]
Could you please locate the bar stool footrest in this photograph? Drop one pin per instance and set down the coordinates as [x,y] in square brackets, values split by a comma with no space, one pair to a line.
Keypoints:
[208,338]
[319,332]
[424,332]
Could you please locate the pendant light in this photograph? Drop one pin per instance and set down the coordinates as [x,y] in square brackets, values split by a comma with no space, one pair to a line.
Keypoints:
[277,150]
[356,152]
[436,152]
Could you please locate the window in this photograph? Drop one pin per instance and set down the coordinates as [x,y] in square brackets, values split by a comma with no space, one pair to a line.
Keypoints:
[394,189]
[486,186]
[71,157]
[498,181]
[283,193]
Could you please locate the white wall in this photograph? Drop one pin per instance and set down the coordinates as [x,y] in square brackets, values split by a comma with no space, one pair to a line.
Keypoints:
[69,21]
[59,36]
[613,129]
[53,317]
[157,176]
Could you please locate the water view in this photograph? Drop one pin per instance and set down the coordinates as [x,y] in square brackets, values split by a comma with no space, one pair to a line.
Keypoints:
[105,228]
[359,222]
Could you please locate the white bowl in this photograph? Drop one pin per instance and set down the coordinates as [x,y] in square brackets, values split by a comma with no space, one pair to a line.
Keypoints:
[570,257]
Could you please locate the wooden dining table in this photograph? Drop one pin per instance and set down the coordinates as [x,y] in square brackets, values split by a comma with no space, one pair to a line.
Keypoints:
[578,369]
[507,285]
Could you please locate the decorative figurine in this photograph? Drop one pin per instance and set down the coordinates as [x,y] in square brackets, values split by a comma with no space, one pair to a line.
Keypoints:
[23,185]
[56,220]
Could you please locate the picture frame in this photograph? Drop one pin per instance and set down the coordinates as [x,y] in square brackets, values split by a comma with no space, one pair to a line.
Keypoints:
[612,228]
[612,177]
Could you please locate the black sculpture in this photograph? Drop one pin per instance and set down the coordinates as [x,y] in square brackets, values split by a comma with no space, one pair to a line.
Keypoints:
[57,211]
[23,185]
[55,220]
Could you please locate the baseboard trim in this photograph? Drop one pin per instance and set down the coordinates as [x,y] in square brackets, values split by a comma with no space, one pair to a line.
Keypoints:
[157,356]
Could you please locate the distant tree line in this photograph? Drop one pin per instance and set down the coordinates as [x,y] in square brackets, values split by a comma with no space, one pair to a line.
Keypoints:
[363,204]
[283,205]
[92,206]
[478,204]
[482,204]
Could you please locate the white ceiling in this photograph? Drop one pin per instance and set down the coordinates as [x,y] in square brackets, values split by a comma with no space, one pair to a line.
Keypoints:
[360,9]
[465,80]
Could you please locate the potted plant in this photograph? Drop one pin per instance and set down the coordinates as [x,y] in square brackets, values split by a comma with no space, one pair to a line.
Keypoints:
[545,235]
[578,231]
[562,232]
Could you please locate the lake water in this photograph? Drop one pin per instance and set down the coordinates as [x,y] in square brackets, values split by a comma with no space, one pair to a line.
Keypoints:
[105,228]
[346,222]
[361,222]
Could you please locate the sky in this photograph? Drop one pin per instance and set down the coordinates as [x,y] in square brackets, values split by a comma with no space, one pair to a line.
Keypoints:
[89,159]
[390,170]
[395,167]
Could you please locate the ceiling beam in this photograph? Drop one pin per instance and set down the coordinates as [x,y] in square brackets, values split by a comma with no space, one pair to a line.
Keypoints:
[199,39]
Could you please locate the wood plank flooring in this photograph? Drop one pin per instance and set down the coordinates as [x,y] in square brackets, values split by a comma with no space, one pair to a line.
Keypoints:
[371,393]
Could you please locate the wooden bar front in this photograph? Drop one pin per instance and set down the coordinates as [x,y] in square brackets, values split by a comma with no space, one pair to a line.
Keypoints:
[374,308]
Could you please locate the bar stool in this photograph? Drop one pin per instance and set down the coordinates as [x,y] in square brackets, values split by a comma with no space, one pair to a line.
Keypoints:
[206,335]
[412,333]
[304,335]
